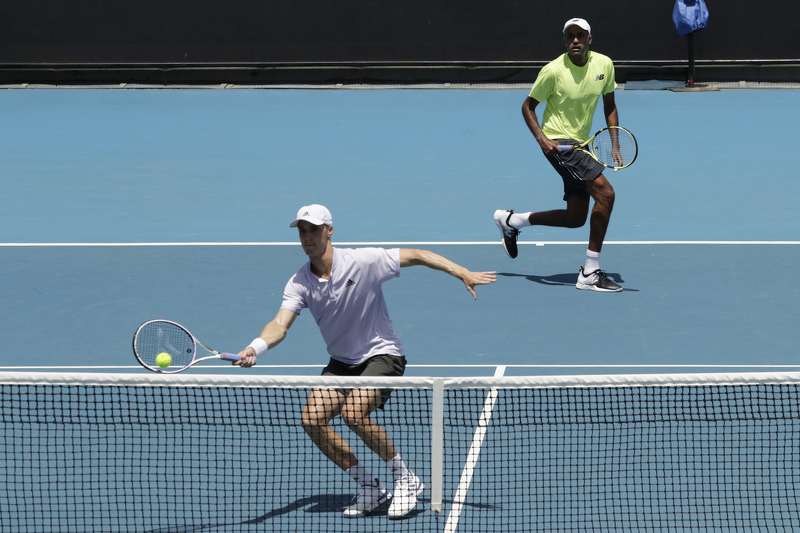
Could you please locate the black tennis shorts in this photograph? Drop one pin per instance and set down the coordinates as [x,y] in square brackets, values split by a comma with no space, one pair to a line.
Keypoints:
[377,365]
[575,168]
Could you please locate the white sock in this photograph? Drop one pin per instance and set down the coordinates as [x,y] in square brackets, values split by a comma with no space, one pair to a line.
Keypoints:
[519,220]
[362,476]
[592,262]
[398,467]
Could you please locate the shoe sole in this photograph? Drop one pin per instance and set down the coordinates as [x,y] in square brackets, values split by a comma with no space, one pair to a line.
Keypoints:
[419,491]
[499,224]
[595,288]
[386,497]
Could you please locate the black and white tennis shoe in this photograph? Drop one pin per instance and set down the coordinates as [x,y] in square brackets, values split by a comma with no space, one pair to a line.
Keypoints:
[596,281]
[501,218]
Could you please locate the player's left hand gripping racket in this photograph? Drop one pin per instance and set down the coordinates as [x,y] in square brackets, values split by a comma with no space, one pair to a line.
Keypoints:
[157,336]
[613,147]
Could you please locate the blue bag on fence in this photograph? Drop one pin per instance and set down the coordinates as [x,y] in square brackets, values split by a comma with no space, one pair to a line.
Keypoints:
[689,16]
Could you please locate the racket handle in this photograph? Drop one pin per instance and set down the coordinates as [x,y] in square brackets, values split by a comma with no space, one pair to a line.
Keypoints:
[566,147]
[231,356]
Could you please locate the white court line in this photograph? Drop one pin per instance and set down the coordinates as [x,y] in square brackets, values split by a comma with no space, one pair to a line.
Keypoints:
[233,368]
[403,243]
[472,457]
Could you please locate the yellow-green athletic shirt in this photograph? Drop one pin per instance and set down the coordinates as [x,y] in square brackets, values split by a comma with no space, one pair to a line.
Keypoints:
[572,93]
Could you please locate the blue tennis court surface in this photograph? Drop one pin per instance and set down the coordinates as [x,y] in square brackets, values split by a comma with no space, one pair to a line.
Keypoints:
[81,306]
[123,206]
[394,166]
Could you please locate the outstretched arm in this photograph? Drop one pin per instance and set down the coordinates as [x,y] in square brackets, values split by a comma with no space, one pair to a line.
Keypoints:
[410,257]
[272,334]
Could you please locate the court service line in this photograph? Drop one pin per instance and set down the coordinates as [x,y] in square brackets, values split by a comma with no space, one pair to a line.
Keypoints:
[397,243]
[472,457]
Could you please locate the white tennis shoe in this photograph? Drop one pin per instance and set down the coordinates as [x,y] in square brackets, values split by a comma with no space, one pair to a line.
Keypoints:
[501,218]
[406,490]
[596,281]
[367,499]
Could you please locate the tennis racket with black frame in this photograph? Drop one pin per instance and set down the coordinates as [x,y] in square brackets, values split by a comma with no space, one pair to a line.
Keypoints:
[164,336]
[613,147]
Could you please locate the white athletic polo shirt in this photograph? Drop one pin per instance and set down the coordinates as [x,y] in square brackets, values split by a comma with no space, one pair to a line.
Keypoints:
[349,308]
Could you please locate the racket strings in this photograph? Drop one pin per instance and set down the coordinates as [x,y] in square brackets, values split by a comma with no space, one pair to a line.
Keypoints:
[615,147]
[157,337]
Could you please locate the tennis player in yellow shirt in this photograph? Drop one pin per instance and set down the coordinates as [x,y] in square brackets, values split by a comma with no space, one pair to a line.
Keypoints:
[572,85]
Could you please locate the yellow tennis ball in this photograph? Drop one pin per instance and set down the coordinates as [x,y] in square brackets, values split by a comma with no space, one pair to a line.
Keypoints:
[163,359]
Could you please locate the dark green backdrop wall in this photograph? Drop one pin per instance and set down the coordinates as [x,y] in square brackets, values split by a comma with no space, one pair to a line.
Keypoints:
[489,38]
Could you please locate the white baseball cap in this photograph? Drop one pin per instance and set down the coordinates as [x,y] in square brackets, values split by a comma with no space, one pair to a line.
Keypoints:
[579,23]
[315,214]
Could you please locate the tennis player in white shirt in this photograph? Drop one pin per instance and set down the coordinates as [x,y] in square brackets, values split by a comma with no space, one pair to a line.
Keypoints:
[341,288]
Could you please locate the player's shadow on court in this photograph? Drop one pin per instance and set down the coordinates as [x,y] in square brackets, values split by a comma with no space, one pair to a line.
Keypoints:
[320,503]
[565,280]
[336,503]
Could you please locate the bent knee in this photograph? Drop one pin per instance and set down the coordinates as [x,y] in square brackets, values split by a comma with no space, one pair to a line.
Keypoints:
[353,420]
[312,423]
[605,196]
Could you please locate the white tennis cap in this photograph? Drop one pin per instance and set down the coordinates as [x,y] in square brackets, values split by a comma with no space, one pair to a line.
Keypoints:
[579,23]
[314,213]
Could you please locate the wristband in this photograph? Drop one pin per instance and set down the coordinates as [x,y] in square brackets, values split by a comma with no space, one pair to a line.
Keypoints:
[259,345]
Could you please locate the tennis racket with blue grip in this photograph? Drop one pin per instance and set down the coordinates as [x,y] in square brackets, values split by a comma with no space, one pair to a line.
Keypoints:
[164,336]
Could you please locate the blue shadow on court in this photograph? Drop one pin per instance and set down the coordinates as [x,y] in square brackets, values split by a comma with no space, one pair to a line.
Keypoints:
[336,503]
[320,503]
[565,280]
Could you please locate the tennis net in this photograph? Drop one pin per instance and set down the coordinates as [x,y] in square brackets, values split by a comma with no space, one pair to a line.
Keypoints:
[123,452]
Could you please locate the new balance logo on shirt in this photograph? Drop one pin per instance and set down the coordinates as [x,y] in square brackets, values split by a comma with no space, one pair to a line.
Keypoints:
[350,282]
[600,77]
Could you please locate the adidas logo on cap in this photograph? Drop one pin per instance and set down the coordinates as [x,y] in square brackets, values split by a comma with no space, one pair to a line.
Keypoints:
[315,214]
